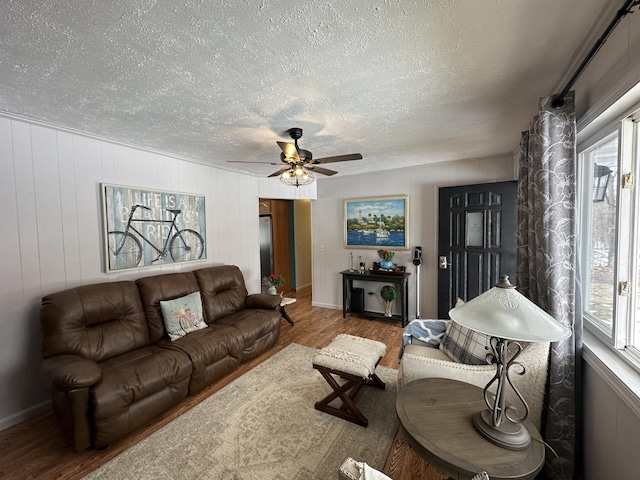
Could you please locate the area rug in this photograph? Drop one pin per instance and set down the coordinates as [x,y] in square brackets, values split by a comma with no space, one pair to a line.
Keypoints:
[264,426]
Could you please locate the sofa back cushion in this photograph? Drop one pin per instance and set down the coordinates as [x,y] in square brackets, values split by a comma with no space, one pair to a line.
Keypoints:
[155,289]
[223,291]
[97,321]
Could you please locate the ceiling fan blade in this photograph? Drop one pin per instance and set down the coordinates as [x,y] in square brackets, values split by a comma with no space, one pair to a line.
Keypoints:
[247,161]
[289,150]
[320,170]
[338,158]
[279,172]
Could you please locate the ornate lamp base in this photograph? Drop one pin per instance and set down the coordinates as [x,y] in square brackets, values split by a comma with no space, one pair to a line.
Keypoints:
[510,435]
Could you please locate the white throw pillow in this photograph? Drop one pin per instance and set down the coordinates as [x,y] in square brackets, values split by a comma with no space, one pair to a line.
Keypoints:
[182,315]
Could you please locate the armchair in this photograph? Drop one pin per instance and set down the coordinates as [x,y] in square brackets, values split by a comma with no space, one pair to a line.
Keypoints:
[423,360]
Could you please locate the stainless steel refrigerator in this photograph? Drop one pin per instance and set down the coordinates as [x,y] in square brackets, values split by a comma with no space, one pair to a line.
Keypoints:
[266,246]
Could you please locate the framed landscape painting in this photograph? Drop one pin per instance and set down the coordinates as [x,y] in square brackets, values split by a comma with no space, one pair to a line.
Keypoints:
[144,227]
[377,222]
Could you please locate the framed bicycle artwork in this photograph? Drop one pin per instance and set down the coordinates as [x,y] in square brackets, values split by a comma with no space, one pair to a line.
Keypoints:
[144,227]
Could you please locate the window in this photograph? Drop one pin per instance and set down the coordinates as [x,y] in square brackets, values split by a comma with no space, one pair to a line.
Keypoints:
[600,163]
[610,229]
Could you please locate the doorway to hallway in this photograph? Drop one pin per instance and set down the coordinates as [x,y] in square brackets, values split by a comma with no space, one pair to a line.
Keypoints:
[285,241]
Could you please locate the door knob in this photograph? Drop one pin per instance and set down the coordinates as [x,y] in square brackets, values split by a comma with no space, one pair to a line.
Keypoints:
[442,262]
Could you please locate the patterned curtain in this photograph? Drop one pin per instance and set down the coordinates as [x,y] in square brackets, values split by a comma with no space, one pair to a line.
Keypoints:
[547,271]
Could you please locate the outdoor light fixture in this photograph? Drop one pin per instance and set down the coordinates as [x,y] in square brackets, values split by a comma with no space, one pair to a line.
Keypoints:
[507,317]
[601,175]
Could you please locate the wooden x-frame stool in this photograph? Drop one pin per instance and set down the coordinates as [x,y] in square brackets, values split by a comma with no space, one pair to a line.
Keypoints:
[353,359]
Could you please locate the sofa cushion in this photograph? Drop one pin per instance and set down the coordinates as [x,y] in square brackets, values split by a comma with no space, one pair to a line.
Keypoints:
[136,387]
[259,329]
[214,352]
[182,315]
[463,345]
[96,322]
[223,291]
[155,289]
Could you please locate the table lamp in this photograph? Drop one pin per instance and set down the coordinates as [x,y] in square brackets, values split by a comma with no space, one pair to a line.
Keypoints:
[507,317]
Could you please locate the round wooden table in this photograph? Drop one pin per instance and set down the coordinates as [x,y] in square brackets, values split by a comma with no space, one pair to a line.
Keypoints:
[436,417]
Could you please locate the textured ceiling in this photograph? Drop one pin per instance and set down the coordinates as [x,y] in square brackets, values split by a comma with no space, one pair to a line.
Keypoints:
[404,82]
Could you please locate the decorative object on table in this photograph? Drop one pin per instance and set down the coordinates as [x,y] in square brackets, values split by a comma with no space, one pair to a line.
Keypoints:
[507,317]
[386,259]
[377,222]
[145,227]
[396,270]
[388,294]
[272,282]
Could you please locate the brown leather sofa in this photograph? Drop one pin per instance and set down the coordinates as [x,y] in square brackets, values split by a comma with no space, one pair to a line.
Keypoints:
[112,366]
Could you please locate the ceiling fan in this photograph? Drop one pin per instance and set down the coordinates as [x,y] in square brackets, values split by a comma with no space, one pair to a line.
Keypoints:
[298,160]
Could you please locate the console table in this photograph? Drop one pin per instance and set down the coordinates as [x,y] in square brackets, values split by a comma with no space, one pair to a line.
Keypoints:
[436,417]
[403,294]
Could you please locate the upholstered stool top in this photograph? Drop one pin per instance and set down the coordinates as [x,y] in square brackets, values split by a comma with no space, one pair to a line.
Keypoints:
[352,470]
[348,353]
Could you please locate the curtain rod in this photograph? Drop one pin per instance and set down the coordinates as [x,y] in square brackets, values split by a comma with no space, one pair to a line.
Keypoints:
[558,100]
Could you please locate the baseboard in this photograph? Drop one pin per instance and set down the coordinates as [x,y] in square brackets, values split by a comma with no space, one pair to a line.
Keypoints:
[339,307]
[326,305]
[25,415]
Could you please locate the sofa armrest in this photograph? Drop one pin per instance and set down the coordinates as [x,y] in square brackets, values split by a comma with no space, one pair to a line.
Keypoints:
[263,300]
[69,372]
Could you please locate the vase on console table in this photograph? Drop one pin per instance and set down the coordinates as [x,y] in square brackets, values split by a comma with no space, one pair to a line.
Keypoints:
[386,264]
[272,290]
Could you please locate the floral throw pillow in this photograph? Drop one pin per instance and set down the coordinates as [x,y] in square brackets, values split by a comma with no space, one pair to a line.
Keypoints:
[182,315]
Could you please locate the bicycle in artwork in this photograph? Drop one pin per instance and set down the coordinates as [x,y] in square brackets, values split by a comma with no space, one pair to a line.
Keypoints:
[125,247]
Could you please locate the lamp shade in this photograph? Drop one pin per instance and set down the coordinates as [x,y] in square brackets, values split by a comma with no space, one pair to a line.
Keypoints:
[505,313]
[297,178]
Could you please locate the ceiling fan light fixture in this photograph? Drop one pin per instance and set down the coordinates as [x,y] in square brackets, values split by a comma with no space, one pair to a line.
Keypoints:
[293,179]
[300,167]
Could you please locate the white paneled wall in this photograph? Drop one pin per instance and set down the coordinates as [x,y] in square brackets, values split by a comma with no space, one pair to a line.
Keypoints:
[52,232]
[611,414]
[421,184]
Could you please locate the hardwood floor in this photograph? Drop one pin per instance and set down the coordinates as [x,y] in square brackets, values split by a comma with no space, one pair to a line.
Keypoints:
[36,449]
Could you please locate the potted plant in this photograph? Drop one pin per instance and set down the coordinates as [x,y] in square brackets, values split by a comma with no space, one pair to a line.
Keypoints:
[388,294]
[272,282]
[386,259]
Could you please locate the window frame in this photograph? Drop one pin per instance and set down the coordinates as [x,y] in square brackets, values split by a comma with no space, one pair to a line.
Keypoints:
[585,198]
[624,336]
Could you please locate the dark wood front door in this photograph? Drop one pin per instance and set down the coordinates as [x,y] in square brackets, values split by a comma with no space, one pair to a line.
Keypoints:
[476,240]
